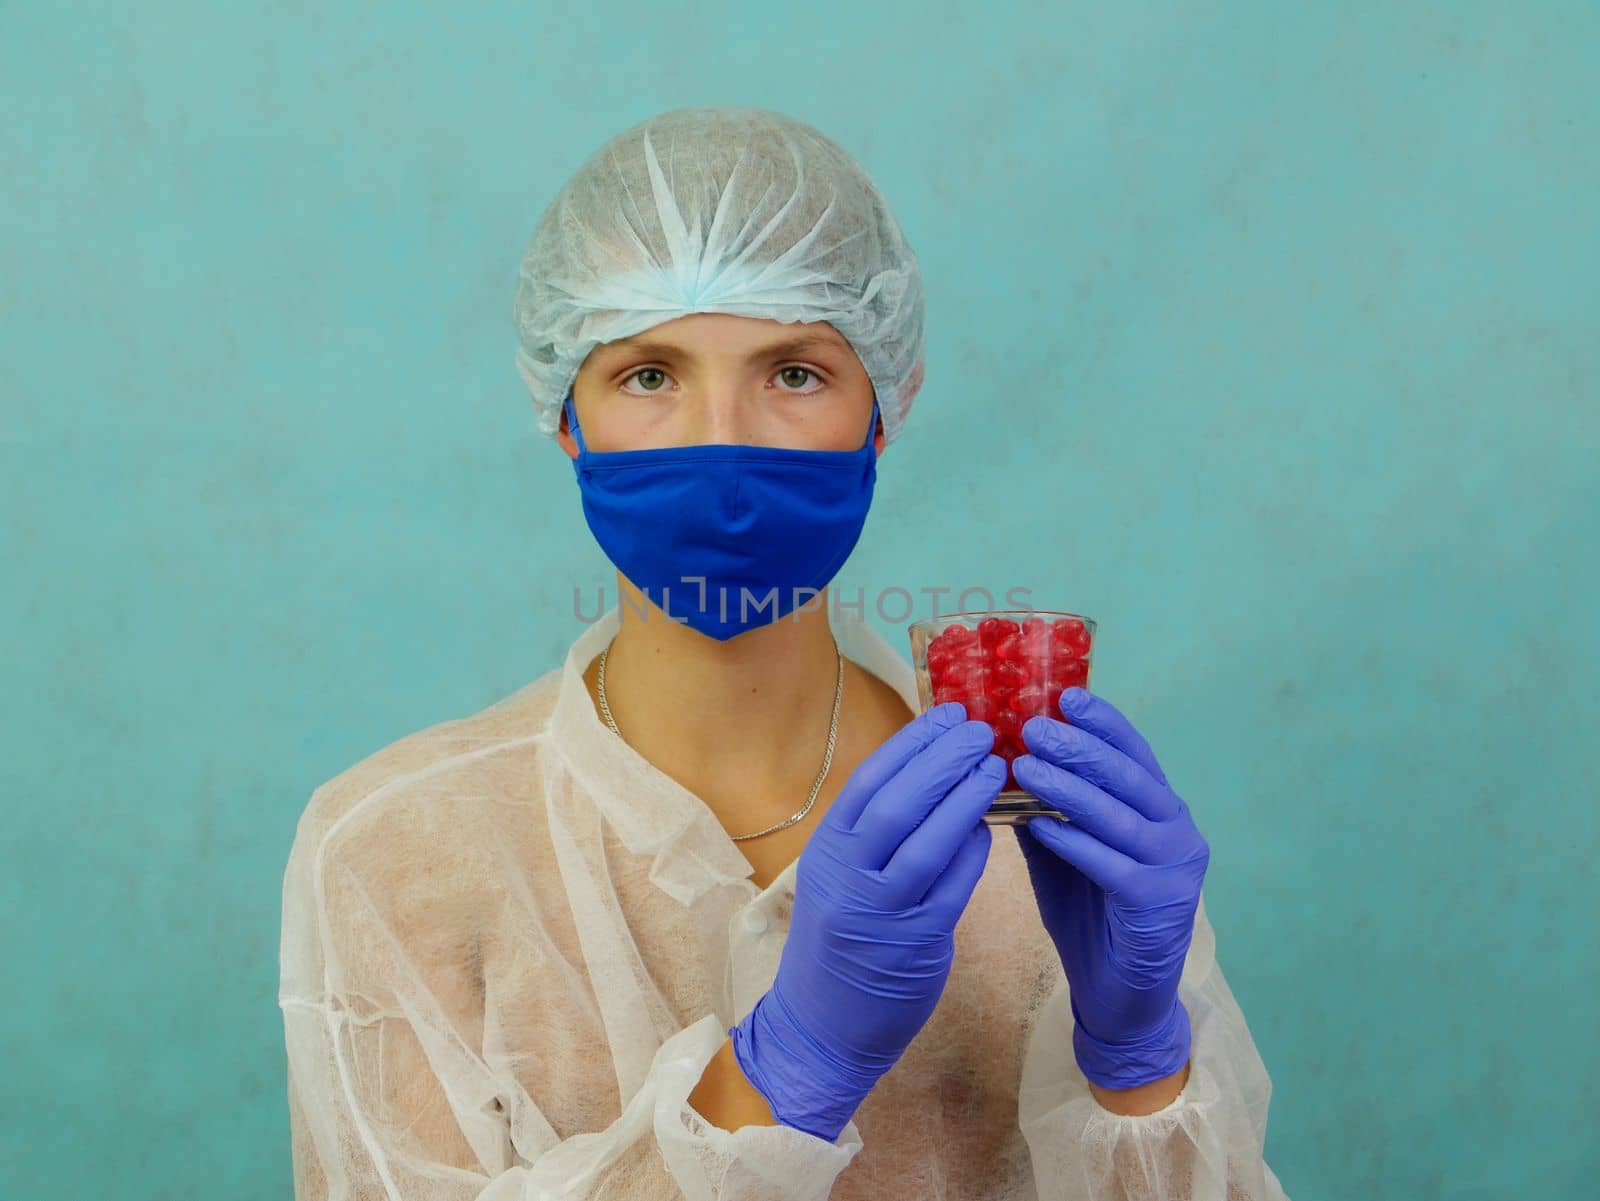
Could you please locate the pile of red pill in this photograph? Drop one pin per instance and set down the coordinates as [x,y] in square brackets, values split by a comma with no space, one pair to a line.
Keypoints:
[1005,672]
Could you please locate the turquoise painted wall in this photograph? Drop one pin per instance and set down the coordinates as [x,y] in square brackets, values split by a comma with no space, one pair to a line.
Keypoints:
[1265,334]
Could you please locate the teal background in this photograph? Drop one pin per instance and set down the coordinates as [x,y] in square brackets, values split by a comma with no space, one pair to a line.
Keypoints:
[1267,335]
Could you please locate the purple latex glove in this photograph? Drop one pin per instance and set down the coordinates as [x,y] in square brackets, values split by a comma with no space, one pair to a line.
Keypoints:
[878,892]
[1118,885]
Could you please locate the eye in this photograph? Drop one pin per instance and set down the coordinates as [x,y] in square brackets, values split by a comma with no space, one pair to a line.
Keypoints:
[803,371]
[647,371]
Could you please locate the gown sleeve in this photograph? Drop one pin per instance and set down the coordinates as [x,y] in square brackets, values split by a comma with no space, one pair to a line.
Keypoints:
[1205,1146]
[392,1099]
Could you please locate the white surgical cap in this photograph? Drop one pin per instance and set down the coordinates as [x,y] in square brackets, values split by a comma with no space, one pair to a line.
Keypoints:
[724,209]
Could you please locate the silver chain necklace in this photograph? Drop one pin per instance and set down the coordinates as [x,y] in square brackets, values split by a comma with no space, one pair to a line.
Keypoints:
[827,758]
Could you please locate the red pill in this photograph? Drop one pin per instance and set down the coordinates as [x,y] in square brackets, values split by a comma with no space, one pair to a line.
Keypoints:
[1009,648]
[992,629]
[1031,699]
[980,708]
[966,677]
[958,636]
[1007,723]
[998,693]
[1069,673]
[1009,676]
[1072,634]
[1035,643]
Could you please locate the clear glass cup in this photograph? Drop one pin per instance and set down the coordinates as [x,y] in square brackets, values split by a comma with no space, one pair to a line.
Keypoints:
[1005,666]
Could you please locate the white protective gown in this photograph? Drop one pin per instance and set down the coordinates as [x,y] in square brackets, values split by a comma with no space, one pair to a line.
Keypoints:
[511,945]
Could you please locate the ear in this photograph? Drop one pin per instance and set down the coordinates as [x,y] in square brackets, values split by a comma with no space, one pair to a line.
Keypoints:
[564,437]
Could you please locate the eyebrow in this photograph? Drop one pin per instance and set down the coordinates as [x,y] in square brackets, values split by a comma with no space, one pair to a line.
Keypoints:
[666,350]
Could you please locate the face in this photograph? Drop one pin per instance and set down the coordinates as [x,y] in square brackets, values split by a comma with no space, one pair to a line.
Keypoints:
[719,377]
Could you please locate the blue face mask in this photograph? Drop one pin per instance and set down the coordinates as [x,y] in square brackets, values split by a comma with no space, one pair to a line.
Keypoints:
[763,527]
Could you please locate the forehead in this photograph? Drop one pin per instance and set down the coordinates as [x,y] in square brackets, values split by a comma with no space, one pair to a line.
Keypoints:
[727,333]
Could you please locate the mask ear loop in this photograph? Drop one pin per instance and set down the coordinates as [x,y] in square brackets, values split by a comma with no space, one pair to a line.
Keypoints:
[872,423]
[572,423]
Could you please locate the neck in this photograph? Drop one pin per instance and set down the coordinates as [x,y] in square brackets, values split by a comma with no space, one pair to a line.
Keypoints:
[742,723]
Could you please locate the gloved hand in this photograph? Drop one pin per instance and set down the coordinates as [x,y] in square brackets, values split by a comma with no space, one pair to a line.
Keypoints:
[1118,885]
[878,891]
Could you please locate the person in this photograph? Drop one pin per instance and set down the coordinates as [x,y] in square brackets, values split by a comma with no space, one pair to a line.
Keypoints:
[711,909]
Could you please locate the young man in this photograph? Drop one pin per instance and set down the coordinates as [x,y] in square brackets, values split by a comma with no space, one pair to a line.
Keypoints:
[710,910]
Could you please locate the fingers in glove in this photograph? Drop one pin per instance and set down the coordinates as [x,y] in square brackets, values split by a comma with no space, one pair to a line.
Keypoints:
[952,890]
[878,768]
[928,851]
[1102,719]
[1088,807]
[902,804]
[1110,869]
[1093,759]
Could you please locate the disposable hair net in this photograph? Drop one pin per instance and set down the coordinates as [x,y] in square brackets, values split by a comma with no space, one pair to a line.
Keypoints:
[724,209]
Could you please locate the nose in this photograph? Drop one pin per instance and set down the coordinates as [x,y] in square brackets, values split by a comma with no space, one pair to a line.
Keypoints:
[721,416]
